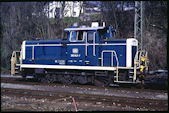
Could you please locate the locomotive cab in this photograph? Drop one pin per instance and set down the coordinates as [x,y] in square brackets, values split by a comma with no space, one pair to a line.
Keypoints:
[80,34]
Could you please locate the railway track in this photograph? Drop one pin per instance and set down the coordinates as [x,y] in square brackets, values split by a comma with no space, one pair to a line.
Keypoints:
[141,103]
[31,81]
[112,96]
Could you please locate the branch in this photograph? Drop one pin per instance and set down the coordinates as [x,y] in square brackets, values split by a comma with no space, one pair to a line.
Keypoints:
[165,30]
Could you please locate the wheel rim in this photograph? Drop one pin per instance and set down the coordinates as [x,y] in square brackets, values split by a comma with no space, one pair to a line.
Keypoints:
[102,81]
[45,78]
[67,79]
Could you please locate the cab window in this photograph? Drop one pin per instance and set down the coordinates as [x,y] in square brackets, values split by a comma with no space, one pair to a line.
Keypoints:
[90,36]
[80,35]
[76,36]
[73,35]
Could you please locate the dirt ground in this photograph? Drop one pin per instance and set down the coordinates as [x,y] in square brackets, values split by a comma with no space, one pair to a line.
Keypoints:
[31,96]
[15,103]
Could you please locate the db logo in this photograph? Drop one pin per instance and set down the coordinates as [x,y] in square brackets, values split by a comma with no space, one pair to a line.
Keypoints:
[75,50]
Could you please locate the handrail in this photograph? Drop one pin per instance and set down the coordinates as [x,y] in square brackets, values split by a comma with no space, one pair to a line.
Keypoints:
[85,44]
[94,39]
[137,58]
[117,65]
[14,61]
[112,51]
[137,61]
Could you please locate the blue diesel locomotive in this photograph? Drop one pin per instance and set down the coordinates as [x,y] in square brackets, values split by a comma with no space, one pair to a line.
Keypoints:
[89,55]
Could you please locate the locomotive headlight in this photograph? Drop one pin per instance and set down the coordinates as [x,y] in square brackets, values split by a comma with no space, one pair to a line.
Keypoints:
[134,42]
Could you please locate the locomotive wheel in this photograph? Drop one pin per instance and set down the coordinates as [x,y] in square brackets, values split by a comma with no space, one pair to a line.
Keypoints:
[67,79]
[82,80]
[37,77]
[47,79]
[43,80]
[102,81]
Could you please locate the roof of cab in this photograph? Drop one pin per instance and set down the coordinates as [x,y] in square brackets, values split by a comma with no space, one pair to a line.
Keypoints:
[83,28]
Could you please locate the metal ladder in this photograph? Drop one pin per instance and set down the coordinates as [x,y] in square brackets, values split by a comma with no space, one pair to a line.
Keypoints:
[137,63]
[14,63]
[116,78]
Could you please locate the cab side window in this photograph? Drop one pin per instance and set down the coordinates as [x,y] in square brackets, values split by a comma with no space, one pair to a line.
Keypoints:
[90,36]
[80,36]
[73,35]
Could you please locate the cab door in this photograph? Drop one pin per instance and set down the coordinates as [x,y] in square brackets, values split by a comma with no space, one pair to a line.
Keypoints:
[76,48]
[91,49]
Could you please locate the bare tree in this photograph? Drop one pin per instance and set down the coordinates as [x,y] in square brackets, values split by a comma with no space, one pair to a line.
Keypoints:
[27,20]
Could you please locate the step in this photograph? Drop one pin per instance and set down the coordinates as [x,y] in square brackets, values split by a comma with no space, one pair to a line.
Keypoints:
[126,82]
[16,67]
[130,76]
[18,64]
[113,85]
[16,72]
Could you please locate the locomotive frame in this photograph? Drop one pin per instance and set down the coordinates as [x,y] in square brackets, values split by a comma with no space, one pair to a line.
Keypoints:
[89,55]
